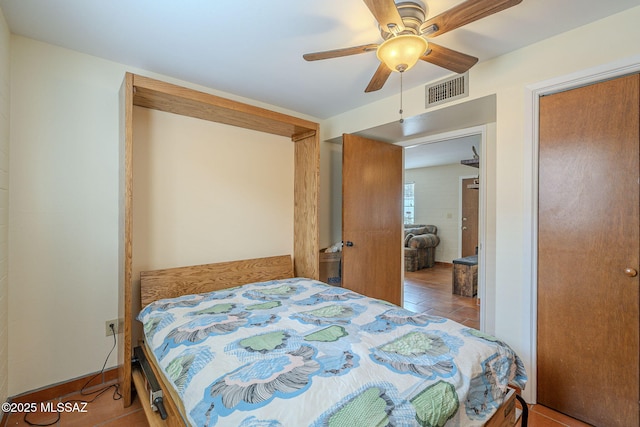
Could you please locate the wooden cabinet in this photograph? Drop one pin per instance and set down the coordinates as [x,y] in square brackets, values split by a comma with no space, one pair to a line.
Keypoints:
[154,94]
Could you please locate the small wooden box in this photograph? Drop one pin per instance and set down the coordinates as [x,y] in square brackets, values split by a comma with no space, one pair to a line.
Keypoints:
[465,276]
[506,415]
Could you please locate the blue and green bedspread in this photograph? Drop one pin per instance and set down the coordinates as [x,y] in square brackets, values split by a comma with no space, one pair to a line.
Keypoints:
[298,352]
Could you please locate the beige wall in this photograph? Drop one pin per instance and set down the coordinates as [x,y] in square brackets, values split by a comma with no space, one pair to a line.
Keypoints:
[4,208]
[206,192]
[508,77]
[63,234]
[330,209]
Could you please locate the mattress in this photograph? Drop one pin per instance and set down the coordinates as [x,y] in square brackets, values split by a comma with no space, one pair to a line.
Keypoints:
[299,352]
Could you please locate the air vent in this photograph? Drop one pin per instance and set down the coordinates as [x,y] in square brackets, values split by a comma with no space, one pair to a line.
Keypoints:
[447,90]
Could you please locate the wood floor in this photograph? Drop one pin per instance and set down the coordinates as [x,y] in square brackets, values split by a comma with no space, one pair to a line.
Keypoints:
[429,290]
[425,290]
[103,412]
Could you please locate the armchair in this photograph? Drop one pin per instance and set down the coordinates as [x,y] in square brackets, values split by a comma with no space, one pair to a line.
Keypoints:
[420,243]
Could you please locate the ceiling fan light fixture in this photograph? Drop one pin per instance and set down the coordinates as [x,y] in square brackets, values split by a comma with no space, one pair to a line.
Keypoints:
[400,53]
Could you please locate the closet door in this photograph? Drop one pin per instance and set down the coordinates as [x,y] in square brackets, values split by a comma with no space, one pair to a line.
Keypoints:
[588,253]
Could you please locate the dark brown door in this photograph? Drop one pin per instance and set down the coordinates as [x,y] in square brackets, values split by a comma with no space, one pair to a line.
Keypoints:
[469,218]
[588,291]
[372,174]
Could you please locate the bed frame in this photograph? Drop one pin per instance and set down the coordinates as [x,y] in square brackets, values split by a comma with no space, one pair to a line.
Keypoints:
[172,282]
[146,92]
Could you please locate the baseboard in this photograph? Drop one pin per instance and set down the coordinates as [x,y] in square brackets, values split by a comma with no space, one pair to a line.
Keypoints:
[444,264]
[64,388]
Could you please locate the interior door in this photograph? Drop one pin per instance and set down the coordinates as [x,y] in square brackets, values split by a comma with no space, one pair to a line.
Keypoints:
[469,220]
[588,250]
[372,191]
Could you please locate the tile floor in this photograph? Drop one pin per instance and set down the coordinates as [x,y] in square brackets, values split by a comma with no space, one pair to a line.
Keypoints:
[425,290]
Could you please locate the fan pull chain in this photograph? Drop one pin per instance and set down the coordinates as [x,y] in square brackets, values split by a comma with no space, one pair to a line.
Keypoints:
[401,119]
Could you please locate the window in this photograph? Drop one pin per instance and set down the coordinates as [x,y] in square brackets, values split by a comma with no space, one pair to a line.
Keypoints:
[409,205]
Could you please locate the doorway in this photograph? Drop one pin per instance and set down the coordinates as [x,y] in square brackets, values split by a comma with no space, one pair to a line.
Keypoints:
[476,116]
[440,172]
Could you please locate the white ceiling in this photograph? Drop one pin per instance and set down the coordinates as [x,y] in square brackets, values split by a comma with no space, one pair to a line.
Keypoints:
[445,152]
[254,48]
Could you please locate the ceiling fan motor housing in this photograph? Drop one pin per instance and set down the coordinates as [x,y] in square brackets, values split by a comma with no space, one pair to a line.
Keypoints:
[413,15]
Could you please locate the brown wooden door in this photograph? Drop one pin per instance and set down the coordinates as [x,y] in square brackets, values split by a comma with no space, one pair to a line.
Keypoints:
[588,320]
[469,220]
[372,174]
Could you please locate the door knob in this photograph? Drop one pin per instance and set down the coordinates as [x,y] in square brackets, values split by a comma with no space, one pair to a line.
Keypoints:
[464,228]
[631,272]
[349,243]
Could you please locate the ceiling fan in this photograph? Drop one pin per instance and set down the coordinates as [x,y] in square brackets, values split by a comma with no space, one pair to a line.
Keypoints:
[405,29]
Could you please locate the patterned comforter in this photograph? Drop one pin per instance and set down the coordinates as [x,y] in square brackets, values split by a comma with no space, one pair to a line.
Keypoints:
[298,352]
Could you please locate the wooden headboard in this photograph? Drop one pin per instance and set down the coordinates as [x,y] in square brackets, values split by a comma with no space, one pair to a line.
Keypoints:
[174,282]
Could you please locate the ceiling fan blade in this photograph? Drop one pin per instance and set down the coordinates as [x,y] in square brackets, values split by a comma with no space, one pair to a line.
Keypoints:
[465,13]
[379,78]
[450,59]
[336,53]
[387,15]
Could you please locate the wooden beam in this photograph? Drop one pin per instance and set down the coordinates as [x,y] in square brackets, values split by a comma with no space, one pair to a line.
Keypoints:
[125,231]
[170,98]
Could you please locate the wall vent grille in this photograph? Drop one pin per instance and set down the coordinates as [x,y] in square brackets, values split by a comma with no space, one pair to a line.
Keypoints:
[447,90]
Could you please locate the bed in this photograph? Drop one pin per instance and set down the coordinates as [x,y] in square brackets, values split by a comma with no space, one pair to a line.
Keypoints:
[245,343]
[139,91]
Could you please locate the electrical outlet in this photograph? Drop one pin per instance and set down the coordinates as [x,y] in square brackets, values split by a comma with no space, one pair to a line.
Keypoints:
[116,326]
